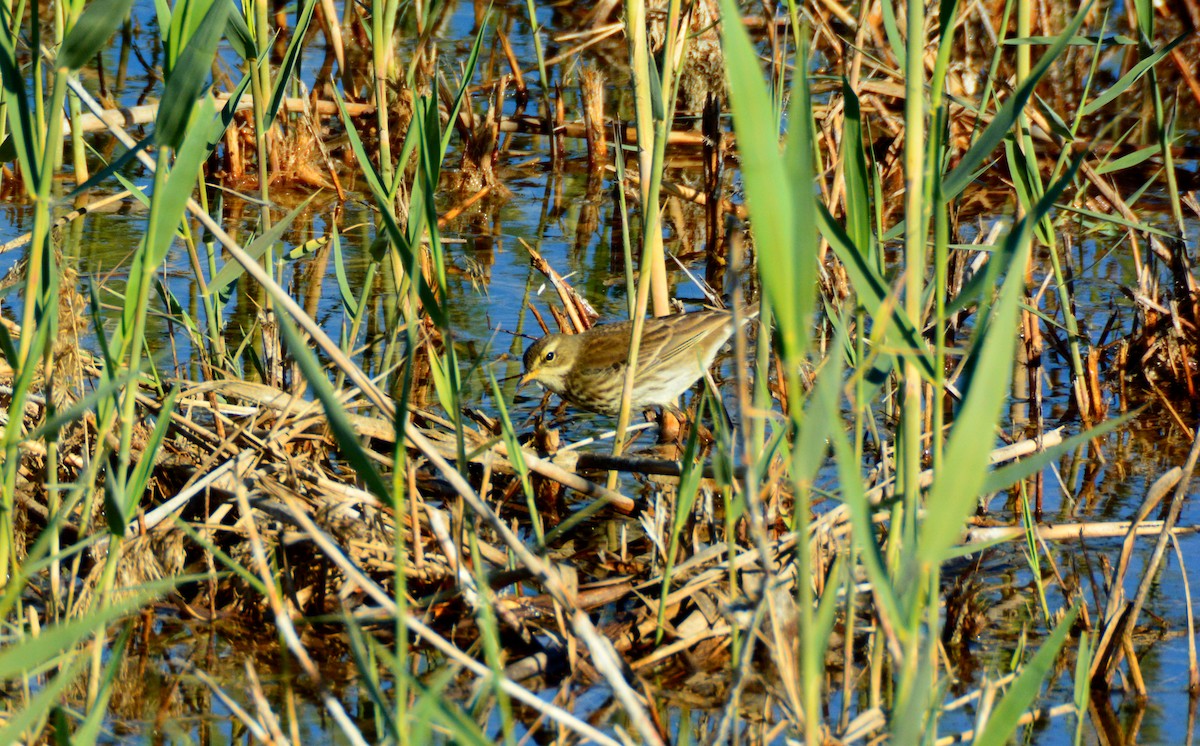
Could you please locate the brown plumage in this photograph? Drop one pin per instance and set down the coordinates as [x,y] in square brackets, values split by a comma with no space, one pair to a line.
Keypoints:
[588,369]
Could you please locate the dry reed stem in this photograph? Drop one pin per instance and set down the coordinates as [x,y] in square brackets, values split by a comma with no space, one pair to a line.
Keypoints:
[1193,666]
[266,715]
[591,87]
[985,535]
[1131,617]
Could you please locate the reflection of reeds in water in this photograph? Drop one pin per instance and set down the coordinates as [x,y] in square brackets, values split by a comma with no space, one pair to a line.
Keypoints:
[1160,353]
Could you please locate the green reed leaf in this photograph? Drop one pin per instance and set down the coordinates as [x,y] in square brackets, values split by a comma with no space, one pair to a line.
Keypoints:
[822,415]
[874,293]
[231,271]
[114,170]
[1010,474]
[99,20]
[241,39]
[779,190]
[895,39]
[862,527]
[1135,74]
[20,119]
[21,720]
[362,652]
[189,75]
[1002,123]
[40,652]
[1129,160]
[291,57]
[349,302]
[398,238]
[857,176]
[140,478]
[951,498]
[89,730]
[464,86]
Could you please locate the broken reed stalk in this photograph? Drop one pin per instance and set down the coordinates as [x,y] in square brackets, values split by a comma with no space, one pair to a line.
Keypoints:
[591,90]
[514,64]
[559,120]
[576,307]
[714,161]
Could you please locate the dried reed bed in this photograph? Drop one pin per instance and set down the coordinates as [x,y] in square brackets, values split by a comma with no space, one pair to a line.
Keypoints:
[320,499]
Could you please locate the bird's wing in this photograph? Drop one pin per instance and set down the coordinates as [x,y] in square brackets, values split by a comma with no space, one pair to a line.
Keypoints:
[691,340]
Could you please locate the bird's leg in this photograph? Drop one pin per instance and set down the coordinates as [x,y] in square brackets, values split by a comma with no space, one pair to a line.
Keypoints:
[670,423]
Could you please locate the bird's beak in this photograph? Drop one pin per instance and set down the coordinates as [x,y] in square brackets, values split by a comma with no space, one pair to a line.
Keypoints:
[530,376]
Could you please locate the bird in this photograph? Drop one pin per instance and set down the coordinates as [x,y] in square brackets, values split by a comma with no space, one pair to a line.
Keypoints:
[588,369]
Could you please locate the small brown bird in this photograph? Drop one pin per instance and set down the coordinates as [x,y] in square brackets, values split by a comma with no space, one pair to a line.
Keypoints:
[588,369]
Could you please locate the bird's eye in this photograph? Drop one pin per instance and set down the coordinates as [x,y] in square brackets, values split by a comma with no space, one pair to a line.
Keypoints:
[549,355]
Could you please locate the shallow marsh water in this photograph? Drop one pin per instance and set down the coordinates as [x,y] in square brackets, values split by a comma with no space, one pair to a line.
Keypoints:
[489,286]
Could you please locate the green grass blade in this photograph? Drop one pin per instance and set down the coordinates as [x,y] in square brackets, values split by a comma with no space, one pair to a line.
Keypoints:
[240,39]
[863,529]
[894,37]
[53,640]
[361,650]
[468,73]
[1006,476]
[349,302]
[20,119]
[114,169]
[398,237]
[22,720]
[779,191]
[822,414]
[1129,160]
[968,449]
[1004,718]
[857,177]
[136,485]
[339,423]
[873,292]
[89,730]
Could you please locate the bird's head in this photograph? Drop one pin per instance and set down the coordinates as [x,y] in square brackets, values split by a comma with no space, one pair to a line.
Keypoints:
[548,360]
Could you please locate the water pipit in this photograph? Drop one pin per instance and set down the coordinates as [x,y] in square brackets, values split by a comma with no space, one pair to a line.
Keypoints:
[588,369]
